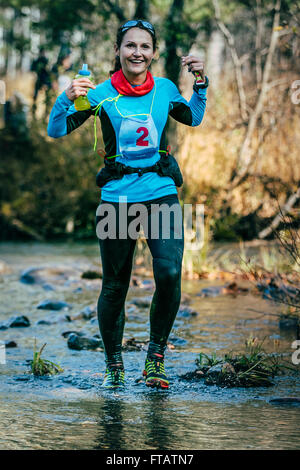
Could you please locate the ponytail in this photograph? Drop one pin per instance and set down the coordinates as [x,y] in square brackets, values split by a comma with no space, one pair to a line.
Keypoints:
[117,65]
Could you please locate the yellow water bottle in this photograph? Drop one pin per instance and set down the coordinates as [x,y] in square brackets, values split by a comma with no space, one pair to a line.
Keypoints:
[82,103]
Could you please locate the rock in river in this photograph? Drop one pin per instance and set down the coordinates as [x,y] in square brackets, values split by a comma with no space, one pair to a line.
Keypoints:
[15,322]
[54,319]
[285,400]
[53,305]
[83,342]
[10,344]
[186,312]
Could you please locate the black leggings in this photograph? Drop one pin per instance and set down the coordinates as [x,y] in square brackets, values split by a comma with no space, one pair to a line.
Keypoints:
[117,255]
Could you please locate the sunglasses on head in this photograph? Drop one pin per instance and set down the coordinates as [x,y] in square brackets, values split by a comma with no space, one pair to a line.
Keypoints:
[133,23]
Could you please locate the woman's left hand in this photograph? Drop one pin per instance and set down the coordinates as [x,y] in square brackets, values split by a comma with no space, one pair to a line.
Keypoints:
[194,64]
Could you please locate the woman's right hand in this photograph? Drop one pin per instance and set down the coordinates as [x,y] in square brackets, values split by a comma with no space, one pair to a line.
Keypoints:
[78,87]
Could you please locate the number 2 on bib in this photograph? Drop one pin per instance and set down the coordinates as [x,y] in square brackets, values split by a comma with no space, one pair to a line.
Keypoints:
[141,140]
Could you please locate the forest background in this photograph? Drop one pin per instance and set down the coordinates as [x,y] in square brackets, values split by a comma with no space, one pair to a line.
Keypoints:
[242,162]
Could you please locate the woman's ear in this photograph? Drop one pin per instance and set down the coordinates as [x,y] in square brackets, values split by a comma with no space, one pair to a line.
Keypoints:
[156,54]
[116,49]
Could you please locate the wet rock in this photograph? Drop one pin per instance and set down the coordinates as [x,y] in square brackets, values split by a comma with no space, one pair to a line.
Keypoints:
[228,368]
[288,322]
[285,400]
[215,370]
[66,334]
[86,314]
[185,298]
[53,320]
[50,277]
[94,321]
[48,287]
[141,302]
[131,344]
[186,312]
[193,375]
[147,284]
[141,283]
[229,289]
[53,305]
[10,344]
[83,342]
[78,290]
[132,311]
[22,378]
[91,275]
[213,291]
[29,276]
[234,289]
[19,321]
[176,341]
[44,322]
[15,322]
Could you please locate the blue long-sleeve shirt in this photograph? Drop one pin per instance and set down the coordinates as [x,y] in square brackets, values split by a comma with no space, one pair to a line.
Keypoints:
[133,128]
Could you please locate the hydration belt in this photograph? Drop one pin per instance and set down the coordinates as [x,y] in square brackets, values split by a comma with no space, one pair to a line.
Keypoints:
[165,166]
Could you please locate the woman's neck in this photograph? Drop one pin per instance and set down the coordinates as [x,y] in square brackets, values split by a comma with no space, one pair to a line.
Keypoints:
[136,79]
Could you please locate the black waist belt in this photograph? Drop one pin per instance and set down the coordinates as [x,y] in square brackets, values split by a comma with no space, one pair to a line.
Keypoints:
[166,166]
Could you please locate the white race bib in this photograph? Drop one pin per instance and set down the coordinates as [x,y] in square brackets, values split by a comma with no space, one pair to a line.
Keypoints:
[138,138]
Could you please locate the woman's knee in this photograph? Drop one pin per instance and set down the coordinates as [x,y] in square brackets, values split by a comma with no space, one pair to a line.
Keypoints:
[166,272]
[114,289]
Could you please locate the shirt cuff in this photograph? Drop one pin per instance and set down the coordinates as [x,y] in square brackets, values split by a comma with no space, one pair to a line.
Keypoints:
[201,92]
[65,100]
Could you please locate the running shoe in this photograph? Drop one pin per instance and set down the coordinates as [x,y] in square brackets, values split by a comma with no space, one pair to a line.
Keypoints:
[155,372]
[114,378]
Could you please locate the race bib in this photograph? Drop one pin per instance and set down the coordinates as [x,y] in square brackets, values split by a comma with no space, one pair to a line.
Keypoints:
[138,138]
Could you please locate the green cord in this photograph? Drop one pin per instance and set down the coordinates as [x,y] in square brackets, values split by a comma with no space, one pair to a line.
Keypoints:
[98,107]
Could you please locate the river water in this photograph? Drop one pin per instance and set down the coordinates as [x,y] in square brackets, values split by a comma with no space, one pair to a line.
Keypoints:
[70,411]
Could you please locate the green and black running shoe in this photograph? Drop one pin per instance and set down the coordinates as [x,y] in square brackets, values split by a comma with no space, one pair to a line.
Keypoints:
[155,372]
[114,378]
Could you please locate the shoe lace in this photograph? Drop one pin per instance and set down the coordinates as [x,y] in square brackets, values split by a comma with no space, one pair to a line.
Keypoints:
[115,375]
[155,364]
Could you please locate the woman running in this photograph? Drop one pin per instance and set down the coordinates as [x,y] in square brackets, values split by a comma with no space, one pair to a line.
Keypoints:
[133,107]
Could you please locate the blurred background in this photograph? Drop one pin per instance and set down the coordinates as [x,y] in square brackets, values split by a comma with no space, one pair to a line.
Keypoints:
[242,162]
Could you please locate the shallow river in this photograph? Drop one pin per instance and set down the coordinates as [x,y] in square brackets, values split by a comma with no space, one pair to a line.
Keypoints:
[70,411]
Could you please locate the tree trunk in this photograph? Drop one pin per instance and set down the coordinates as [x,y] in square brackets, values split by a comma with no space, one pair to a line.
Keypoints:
[142,9]
[215,58]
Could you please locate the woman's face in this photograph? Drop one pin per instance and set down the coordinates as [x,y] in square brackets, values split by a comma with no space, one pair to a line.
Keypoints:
[136,51]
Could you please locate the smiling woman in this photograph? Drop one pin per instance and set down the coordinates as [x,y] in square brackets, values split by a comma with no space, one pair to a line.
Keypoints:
[133,107]
[134,54]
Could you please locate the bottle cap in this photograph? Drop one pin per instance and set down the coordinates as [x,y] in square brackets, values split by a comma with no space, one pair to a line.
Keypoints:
[84,71]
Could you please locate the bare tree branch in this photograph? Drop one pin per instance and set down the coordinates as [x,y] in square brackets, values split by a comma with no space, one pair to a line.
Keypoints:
[279,217]
[245,155]
[114,8]
[236,61]
[258,42]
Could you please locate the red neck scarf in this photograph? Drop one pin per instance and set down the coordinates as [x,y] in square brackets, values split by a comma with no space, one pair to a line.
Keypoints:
[122,85]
